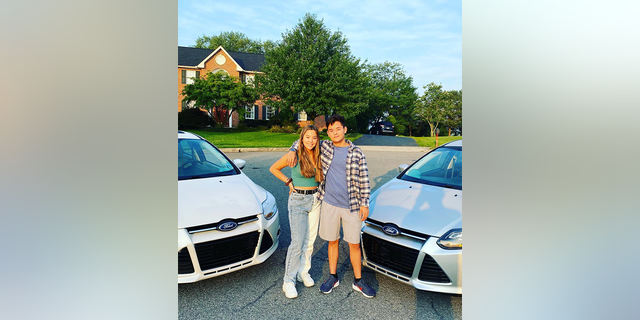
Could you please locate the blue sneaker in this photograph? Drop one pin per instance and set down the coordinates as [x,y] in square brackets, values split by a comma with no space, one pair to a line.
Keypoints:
[328,285]
[364,288]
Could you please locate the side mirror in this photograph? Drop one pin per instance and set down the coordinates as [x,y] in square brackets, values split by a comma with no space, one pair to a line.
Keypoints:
[402,167]
[240,163]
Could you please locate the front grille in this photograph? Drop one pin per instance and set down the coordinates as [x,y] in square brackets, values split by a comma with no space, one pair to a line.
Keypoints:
[396,258]
[403,231]
[218,253]
[266,242]
[431,271]
[212,226]
[184,262]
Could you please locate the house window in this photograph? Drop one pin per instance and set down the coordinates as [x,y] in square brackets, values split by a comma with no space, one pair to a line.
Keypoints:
[271,111]
[184,76]
[190,75]
[249,80]
[249,112]
[302,116]
[197,74]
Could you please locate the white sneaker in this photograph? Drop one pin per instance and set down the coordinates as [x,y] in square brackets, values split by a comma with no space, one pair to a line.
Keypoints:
[306,279]
[289,289]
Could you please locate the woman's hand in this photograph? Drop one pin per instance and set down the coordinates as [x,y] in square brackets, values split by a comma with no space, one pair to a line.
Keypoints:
[290,188]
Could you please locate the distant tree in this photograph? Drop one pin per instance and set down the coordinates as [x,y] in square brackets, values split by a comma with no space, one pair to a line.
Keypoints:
[312,69]
[234,41]
[222,92]
[433,106]
[453,118]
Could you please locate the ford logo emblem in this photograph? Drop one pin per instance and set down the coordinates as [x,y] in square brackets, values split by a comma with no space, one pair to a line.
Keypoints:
[227,226]
[391,230]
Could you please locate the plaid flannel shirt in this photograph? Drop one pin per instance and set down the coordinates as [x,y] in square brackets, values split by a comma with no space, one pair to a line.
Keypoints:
[357,173]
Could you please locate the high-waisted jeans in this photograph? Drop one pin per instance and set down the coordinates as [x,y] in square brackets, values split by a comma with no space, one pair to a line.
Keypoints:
[304,212]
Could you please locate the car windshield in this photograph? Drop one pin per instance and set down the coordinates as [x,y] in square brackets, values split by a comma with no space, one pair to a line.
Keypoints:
[441,167]
[199,159]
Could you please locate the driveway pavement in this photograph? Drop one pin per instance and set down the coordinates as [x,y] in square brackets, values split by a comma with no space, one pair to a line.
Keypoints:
[380,140]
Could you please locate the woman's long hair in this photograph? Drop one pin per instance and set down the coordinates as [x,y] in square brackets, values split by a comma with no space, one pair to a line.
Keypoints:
[306,163]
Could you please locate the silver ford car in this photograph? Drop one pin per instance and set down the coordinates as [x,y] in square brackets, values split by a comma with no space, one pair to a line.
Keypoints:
[414,230]
[226,222]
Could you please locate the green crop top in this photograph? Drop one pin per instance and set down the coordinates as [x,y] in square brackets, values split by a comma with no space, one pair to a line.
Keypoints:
[301,181]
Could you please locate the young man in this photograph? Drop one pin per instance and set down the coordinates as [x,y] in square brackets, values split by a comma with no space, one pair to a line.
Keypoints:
[345,200]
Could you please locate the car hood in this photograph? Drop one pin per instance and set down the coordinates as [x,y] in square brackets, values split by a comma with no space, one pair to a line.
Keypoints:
[418,207]
[209,200]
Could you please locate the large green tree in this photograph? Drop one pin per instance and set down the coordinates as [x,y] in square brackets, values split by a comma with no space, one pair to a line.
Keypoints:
[312,69]
[234,41]
[222,92]
[391,92]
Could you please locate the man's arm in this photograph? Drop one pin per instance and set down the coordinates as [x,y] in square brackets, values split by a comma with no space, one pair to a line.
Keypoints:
[291,155]
[365,188]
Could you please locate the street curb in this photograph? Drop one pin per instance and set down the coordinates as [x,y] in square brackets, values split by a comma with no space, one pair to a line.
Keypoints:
[364,148]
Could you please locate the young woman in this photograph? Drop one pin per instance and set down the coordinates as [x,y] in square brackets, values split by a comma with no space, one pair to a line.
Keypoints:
[304,209]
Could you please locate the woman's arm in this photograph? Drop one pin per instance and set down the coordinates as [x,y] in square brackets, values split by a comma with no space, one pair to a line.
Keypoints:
[276,170]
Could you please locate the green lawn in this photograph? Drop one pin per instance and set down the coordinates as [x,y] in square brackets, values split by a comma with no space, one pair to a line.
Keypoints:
[255,139]
[431,141]
[263,139]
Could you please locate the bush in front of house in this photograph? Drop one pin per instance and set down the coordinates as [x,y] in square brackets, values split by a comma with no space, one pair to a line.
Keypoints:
[194,118]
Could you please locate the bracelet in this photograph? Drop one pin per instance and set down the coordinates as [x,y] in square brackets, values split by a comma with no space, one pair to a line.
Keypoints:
[288,182]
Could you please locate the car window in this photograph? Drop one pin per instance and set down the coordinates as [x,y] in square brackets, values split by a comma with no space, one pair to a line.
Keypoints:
[199,159]
[441,167]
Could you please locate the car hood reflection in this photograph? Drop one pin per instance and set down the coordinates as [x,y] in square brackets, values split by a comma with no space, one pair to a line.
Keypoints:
[418,207]
[209,200]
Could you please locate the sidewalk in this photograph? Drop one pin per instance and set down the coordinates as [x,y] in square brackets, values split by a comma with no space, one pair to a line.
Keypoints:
[364,148]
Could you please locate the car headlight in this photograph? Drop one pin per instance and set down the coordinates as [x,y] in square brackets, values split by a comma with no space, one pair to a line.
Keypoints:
[451,240]
[269,207]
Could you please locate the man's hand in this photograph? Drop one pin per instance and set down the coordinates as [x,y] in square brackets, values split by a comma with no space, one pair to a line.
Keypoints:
[291,159]
[364,213]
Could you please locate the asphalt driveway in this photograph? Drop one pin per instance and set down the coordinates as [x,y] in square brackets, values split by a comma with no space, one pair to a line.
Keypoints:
[380,140]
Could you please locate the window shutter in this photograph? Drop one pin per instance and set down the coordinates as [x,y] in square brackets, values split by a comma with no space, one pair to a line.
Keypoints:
[184,76]
[296,113]
[255,112]
[277,110]
[264,112]
[197,74]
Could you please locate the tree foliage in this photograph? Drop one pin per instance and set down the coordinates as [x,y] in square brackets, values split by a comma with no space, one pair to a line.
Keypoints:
[390,89]
[222,92]
[234,41]
[312,69]
[432,106]
[453,118]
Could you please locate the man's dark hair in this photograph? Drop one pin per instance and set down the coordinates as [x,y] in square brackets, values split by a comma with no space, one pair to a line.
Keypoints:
[335,118]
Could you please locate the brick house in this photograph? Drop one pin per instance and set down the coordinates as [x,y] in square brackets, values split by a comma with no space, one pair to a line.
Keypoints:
[193,62]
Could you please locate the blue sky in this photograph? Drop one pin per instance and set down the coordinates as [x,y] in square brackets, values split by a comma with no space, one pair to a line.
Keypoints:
[425,37]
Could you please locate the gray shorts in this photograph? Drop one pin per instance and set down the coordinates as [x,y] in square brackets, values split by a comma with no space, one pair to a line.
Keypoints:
[330,217]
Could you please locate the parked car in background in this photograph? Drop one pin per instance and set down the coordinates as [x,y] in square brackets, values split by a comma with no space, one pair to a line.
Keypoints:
[226,222]
[383,127]
[414,230]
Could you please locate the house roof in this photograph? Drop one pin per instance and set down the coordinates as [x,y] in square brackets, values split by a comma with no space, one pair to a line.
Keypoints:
[188,56]
[248,61]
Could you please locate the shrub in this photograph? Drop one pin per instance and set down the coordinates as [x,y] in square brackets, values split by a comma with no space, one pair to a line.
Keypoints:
[194,118]
[275,129]
[290,129]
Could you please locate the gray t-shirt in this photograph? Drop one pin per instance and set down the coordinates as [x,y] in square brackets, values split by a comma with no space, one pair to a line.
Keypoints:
[336,192]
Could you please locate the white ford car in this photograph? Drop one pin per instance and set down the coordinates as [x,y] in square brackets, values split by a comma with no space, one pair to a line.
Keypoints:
[226,222]
[414,230]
